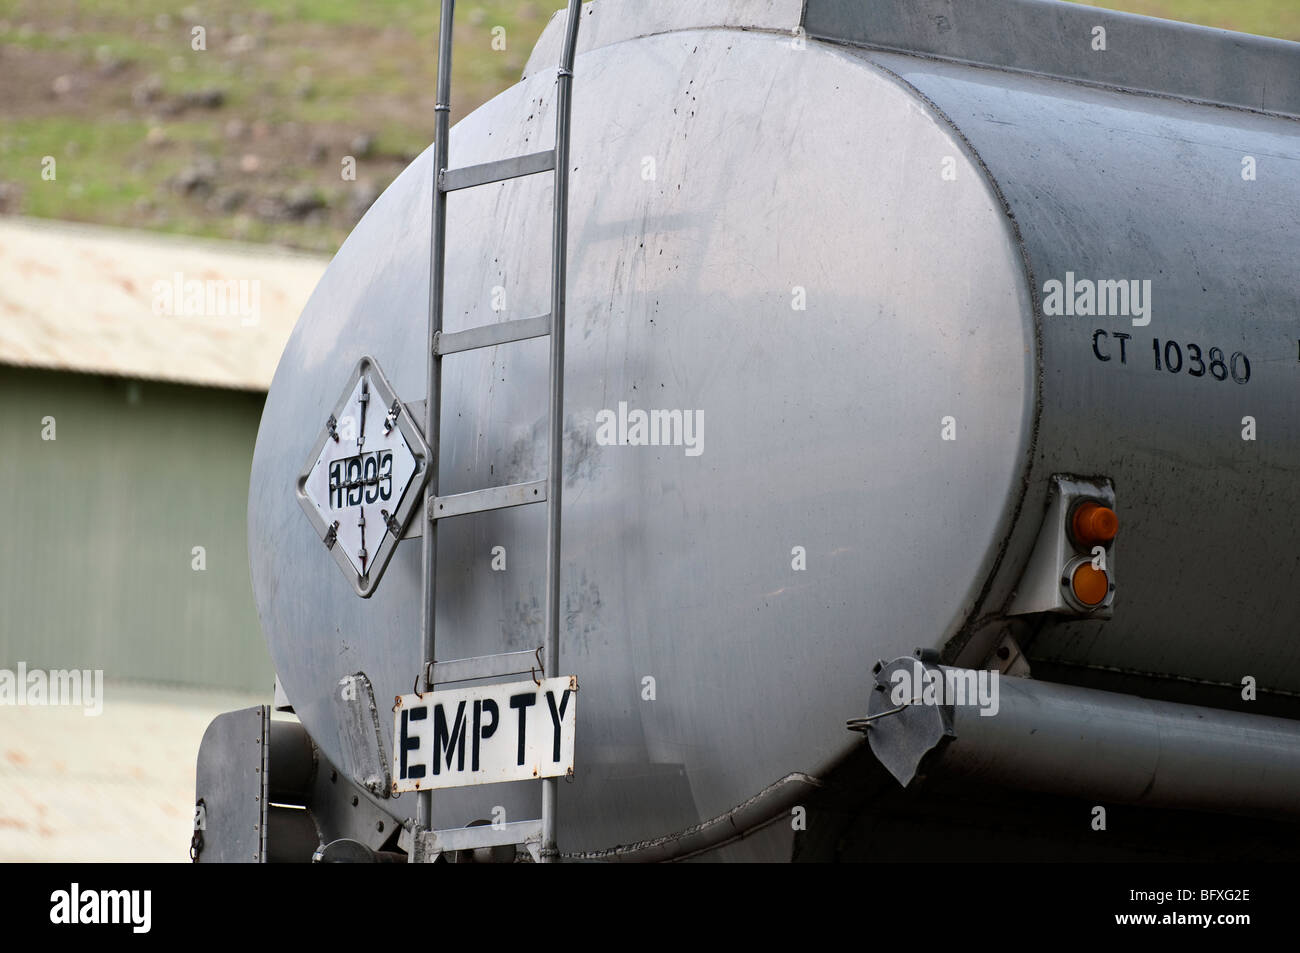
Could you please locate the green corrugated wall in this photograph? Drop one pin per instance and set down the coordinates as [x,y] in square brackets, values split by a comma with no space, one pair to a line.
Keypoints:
[98,528]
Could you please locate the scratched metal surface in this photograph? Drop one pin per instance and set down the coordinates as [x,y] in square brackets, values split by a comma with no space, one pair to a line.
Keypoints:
[774,168]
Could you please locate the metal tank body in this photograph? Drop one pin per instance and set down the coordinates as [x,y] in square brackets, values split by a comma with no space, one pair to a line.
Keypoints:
[824,251]
[1107,184]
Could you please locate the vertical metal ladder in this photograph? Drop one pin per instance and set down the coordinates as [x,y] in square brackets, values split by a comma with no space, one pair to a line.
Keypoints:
[537,835]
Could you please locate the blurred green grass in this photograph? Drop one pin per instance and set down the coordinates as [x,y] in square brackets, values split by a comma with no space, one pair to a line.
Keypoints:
[102,87]
[312,79]
[1280,18]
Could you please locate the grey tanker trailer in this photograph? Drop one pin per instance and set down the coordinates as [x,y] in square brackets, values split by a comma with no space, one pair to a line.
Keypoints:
[929,440]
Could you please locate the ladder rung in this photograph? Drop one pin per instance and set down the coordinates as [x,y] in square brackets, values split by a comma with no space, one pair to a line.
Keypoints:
[490,334]
[485,835]
[513,168]
[484,666]
[493,498]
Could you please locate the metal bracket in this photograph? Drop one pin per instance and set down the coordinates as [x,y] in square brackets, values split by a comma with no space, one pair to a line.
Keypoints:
[1007,657]
[390,521]
[463,844]
[391,417]
[200,825]
[1041,587]
[900,743]
[481,501]
[365,759]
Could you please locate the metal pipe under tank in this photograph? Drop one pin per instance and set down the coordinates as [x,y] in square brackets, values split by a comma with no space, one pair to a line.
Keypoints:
[1061,739]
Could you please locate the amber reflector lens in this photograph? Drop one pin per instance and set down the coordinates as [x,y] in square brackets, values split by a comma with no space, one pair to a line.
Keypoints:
[1090,585]
[1095,524]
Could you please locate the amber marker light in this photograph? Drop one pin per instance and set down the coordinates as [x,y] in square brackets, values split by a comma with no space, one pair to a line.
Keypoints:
[1094,525]
[1090,585]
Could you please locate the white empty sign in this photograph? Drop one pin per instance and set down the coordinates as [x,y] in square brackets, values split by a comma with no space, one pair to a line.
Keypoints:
[484,735]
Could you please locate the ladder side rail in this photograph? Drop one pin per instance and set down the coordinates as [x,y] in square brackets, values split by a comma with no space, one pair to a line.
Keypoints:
[433,403]
[555,467]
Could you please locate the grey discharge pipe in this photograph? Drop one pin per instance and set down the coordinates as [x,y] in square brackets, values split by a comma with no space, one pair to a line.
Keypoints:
[1060,739]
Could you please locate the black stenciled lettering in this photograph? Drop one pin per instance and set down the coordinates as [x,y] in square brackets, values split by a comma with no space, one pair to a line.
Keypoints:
[556,718]
[1099,333]
[1245,362]
[354,480]
[1218,369]
[336,485]
[486,731]
[386,475]
[522,702]
[1173,357]
[409,744]
[445,740]
[371,477]
[1199,360]
[1122,338]
[364,478]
